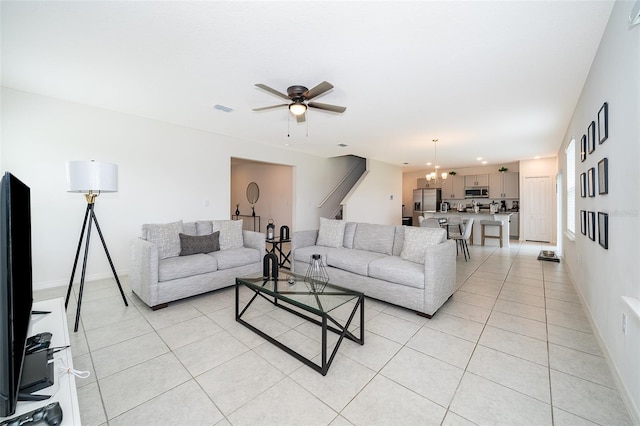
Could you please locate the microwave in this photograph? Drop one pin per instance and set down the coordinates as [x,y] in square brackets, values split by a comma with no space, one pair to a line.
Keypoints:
[476,193]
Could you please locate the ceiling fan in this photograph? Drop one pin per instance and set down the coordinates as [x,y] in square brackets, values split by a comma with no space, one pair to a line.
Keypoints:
[298,95]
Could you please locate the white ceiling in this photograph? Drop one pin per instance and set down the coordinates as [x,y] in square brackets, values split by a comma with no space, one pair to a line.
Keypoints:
[489,79]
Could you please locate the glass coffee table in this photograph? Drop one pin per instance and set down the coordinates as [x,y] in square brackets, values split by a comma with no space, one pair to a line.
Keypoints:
[312,301]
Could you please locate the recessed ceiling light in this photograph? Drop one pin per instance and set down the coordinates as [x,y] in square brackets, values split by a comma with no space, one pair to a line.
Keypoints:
[537,157]
[484,162]
[428,164]
[479,158]
[223,108]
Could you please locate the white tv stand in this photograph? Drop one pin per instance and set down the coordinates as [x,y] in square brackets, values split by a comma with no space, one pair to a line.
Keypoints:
[64,388]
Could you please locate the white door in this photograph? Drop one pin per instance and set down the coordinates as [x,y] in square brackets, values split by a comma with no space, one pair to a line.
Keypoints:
[537,209]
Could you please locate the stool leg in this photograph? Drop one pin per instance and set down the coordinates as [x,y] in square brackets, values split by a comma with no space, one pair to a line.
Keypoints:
[482,235]
[500,236]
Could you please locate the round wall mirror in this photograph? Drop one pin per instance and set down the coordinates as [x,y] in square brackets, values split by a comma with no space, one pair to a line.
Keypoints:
[253,193]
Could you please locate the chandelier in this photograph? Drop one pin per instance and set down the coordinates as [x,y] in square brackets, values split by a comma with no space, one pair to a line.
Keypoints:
[433,176]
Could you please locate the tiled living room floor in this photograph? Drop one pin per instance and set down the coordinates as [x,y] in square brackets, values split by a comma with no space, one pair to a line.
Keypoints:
[512,346]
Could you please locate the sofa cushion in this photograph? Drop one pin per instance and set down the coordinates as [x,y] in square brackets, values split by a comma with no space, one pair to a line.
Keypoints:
[398,241]
[165,236]
[185,266]
[199,244]
[189,228]
[349,234]
[232,258]
[204,227]
[399,271]
[230,233]
[303,254]
[331,232]
[376,238]
[351,260]
[416,241]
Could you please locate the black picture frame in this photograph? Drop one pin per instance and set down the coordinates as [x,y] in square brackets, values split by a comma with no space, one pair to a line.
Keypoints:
[603,123]
[591,137]
[591,182]
[583,148]
[603,176]
[591,225]
[603,229]
[583,185]
[583,222]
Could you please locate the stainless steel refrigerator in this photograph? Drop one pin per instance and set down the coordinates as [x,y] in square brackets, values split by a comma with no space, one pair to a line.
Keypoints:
[425,201]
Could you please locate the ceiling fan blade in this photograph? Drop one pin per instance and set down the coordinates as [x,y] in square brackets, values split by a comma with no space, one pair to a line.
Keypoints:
[327,107]
[272,91]
[318,90]
[269,107]
[301,118]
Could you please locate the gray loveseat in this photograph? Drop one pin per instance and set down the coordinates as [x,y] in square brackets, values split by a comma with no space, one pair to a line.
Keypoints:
[159,273]
[407,266]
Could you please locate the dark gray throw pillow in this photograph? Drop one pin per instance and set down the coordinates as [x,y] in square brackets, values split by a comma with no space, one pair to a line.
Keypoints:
[190,244]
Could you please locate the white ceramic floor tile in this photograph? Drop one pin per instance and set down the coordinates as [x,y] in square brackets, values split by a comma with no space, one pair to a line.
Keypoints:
[473,299]
[91,412]
[566,307]
[238,381]
[521,310]
[459,327]
[185,404]
[115,333]
[588,400]
[562,418]
[452,419]
[575,322]
[485,402]
[393,328]
[126,354]
[209,352]
[188,331]
[375,352]
[425,375]
[515,344]
[578,340]
[343,381]
[384,402]
[515,373]
[286,403]
[520,325]
[463,310]
[443,346]
[131,387]
[586,366]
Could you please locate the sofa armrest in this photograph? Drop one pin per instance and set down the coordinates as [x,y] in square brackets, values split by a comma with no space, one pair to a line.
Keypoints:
[439,275]
[255,240]
[143,270]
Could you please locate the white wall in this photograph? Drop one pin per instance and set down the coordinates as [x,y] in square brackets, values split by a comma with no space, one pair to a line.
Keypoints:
[604,276]
[378,198]
[166,173]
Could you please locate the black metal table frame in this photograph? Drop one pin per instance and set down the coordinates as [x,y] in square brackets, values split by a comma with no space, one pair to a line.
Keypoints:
[277,249]
[343,331]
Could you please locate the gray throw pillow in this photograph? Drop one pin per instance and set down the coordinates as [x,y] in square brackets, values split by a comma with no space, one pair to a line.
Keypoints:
[331,232]
[416,241]
[190,244]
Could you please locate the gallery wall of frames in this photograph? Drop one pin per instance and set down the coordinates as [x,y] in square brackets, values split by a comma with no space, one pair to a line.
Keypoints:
[594,181]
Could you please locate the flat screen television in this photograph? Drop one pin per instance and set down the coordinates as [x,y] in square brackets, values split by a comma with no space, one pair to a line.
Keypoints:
[16,292]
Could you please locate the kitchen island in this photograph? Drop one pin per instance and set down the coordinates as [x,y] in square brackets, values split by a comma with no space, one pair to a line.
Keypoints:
[477,231]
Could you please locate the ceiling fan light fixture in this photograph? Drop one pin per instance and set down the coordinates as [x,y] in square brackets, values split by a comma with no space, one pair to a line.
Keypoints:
[297,108]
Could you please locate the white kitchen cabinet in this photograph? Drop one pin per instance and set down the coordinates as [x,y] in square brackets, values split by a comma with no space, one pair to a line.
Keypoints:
[453,188]
[476,180]
[504,185]
[423,183]
[514,226]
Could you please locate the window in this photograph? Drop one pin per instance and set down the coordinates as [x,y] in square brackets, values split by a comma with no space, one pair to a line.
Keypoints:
[571,188]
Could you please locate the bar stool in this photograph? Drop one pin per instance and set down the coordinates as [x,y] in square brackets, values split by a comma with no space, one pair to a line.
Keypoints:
[497,223]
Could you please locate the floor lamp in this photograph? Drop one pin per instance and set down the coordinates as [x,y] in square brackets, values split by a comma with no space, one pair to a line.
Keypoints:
[90,178]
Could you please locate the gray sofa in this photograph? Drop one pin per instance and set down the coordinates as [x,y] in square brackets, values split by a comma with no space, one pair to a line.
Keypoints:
[407,266]
[177,260]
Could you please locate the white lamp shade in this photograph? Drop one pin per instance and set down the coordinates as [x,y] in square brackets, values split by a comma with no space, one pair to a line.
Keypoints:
[85,176]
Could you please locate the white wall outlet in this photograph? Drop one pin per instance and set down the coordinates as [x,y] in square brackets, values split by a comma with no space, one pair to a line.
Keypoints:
[624,323]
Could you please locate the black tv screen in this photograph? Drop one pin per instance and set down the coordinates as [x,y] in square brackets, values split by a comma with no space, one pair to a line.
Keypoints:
[16,293]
